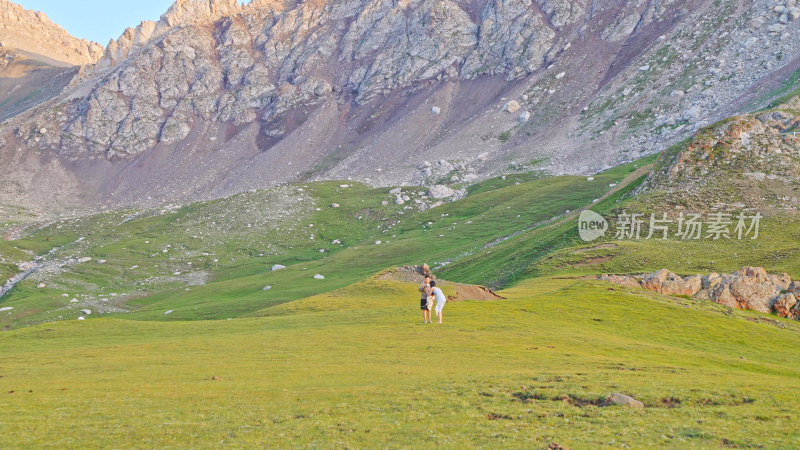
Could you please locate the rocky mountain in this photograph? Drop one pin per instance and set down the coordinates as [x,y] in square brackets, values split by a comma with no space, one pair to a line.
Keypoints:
[38,59]
[220,97]
[33,32]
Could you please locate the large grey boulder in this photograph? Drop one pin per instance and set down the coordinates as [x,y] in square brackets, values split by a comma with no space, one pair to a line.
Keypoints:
[624,400]
[441,191]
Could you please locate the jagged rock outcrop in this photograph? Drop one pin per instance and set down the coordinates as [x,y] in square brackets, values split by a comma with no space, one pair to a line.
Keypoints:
[749,288]
[33,32]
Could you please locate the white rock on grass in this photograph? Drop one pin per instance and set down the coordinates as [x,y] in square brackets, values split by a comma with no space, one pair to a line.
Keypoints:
[589,178]
[87,311]
[74,300]
[168,312]
[378,242]
[6,308]
[84,259]
[81,318]
[278,267]
[396,191]
[318,277]
[335,205]
[266,288]
[41,285]
[336,242]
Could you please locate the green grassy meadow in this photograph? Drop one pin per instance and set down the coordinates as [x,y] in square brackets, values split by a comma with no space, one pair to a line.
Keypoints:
[357,368]
[186,348]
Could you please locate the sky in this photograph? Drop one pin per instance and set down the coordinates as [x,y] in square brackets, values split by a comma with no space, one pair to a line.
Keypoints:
[98,20]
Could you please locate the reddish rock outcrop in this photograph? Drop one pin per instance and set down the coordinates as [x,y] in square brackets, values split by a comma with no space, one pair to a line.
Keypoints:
[748,288]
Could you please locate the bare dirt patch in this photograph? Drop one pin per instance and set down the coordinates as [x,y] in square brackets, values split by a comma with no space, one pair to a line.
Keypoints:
[415,274]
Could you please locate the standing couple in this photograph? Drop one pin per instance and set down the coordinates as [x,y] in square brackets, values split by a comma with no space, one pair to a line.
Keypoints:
[428,291]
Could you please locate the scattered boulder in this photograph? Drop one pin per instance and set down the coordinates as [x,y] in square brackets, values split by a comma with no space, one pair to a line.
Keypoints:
[512,106]
[41,286]
[524,117]
[624,400]
[436,110]
[81,318]
[84,259]
[266,288]
[441,191]
[335,205]
[87,311]
[6,308]
[167,312]
[278,267]
[319,277]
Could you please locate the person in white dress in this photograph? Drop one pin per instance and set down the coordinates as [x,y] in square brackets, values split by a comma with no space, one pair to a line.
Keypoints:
[440,299]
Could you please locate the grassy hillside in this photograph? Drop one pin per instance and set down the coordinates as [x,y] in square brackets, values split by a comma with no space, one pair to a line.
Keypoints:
[356,367]
[212,260]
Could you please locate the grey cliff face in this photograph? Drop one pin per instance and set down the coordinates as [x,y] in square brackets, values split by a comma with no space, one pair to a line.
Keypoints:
[223,62]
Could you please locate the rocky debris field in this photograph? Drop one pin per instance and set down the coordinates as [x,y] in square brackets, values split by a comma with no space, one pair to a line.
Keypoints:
[749,288]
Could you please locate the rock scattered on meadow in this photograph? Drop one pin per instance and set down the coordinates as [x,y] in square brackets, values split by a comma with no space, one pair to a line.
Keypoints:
[624,400]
